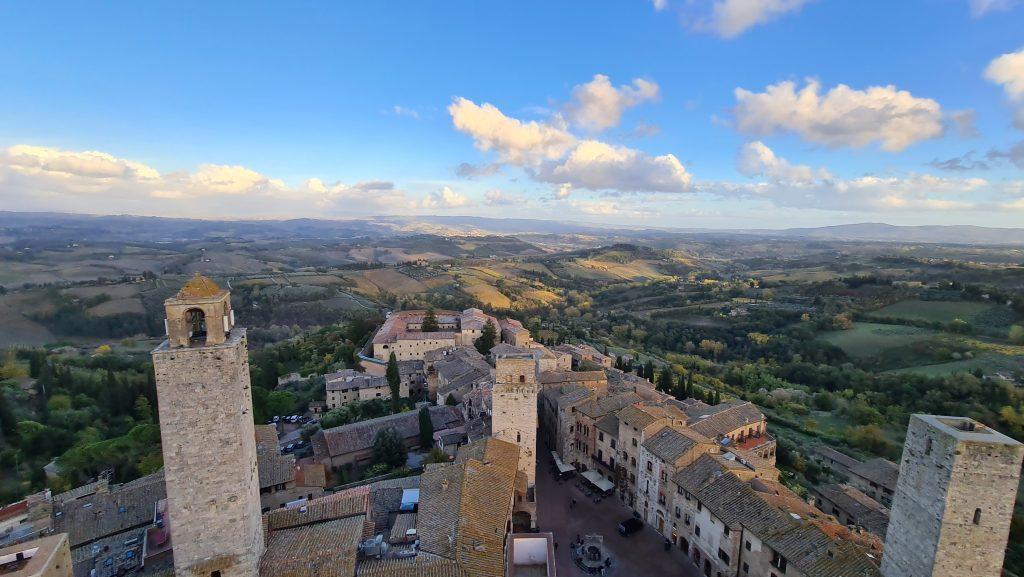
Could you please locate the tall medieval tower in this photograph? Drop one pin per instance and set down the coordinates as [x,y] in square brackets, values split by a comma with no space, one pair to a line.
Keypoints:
[514,419]
[954,499]
[209,443]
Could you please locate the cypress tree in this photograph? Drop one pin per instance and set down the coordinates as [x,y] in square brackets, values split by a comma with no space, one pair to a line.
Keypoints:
[394,383]
[430,321]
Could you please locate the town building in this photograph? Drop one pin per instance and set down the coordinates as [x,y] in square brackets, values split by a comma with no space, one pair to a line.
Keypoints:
[584,353]
[351,446]
[852,507]
[402,333]
[282,481]
[208,435]
[954,499]
[876,478]
[44,557]
[347,386]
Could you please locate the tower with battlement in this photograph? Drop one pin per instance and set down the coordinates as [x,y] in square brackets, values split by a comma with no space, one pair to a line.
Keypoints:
[514,419]
[954,500]
[207,432]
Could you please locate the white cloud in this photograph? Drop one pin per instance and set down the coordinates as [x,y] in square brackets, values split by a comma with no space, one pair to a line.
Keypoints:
[41,178]
[602,167]
[798,186]
[1008,71]
[497,197]
[660,5]
[549,153]
[598,105]
[516,142]
[730,18]
[980,8]
[841,117]
[403,111]
[756,159]
[445,198]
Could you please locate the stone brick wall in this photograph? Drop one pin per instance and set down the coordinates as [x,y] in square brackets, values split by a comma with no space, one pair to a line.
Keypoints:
[209,451]
[944,478]
[514,415]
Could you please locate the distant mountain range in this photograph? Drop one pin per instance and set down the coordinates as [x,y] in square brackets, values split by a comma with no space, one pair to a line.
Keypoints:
[67,227]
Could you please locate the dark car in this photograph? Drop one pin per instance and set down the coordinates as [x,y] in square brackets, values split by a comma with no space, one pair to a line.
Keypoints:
[630,526]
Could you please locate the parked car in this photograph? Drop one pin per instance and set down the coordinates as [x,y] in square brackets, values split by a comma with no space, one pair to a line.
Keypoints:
[289,448]
[630,526]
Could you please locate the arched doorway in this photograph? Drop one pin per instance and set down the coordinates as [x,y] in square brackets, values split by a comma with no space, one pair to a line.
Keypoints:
[195,320]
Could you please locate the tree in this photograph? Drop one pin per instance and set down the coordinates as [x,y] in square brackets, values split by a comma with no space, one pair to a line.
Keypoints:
[1017,334]
[665,379]
[429,321]
[389,448]
[488,338]
[281,403]
[717,398]
[426,429]
[143,411]
[436,455]
[450,401]
[394,383]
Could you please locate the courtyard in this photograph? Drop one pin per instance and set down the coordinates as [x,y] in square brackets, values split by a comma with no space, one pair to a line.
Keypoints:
[642,553]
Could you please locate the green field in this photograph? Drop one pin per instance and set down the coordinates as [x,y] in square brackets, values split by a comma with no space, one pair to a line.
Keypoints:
[872,339]
[976,313]
[989,363]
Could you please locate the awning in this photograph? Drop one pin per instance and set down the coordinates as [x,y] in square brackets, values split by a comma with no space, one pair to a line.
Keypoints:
[598,481]
[562,467]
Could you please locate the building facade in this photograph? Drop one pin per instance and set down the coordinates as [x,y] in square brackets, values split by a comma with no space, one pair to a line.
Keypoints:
[208,437]
[954,499]
[514,419]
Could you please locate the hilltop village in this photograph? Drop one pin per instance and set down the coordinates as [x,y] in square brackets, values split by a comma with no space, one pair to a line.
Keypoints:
[530,436]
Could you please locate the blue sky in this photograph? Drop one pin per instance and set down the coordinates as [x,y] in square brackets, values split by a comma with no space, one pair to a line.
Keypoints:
[267,110]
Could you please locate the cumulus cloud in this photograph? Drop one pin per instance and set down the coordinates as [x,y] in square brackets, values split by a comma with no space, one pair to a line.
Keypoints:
[980,8]
[795,186]
[730,18]
[549,153]
[445,198]
[598,104]
[42,178]
[756,159]
[840,117]
[599,166]
[497,197]
[1008,71]
[516,142]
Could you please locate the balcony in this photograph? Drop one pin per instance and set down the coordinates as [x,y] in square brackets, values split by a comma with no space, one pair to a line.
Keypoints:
[755,443]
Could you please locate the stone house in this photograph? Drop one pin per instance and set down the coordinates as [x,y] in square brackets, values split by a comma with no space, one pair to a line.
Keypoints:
[662,455]
[852,507]
[352,445]
[281,480]
[347,386]
[876,478]
[556,408]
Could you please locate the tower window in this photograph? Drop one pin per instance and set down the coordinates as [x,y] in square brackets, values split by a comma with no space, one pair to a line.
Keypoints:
[215,574]
[522,378]
[519,437]
[977,516]
[928,446]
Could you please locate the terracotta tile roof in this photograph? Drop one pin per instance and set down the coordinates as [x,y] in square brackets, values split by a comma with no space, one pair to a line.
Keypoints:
[559,377]
[609,424]
[881,471]
[422,565]
[610,404]
[725,418]
[266,437]
[100,514]
[275,468]
[359,436]
[671,443]
[403,522]
[350,379]
[864,510]
[349,503]
[327,549]
[465,506]
[311,475]
[637,416]
[831,454]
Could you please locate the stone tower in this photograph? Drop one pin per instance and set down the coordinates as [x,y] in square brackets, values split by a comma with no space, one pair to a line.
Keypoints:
[208,437]
[954,499]
[514,419]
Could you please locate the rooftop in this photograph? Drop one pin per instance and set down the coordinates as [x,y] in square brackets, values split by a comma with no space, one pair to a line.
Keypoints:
[199,287]
[30,558]
[967,429]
